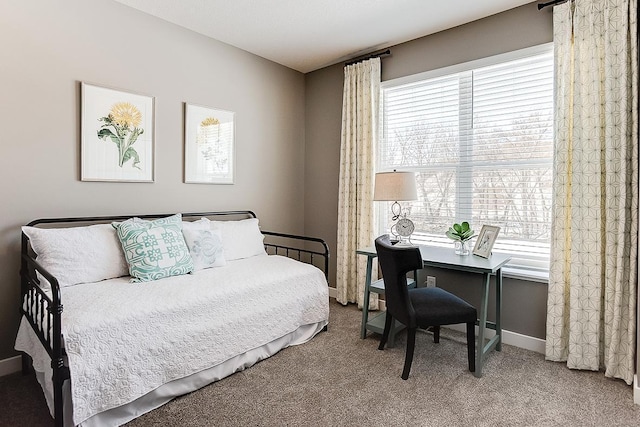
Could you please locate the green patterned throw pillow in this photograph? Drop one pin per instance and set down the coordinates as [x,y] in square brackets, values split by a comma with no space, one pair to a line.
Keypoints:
[154,249]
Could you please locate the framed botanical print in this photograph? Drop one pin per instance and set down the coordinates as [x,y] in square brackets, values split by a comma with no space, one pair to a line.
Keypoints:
[209,151]
[486,239]
[117,135]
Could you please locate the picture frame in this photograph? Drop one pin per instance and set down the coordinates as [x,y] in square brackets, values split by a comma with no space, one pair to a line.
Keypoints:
[209,145]
[117,131]
[486,239]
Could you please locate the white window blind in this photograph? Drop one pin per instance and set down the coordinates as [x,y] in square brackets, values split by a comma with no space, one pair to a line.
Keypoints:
[481,143]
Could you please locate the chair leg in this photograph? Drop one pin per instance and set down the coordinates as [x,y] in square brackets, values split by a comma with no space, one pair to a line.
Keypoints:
[471,345]
[26,363]
[388,320]
[408,358]
[436,334]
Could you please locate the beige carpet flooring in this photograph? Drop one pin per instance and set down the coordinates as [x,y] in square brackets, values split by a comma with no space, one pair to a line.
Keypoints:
[338,379]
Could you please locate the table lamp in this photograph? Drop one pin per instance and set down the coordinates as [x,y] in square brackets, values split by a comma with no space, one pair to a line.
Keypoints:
[397,186]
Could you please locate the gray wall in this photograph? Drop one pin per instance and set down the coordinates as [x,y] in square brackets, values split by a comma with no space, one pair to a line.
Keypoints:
[524,302]
[47,47]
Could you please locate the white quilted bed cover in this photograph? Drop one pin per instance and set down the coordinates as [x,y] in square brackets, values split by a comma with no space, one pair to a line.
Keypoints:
[124,339]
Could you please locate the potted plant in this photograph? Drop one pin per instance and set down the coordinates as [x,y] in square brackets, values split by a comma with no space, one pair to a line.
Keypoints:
[461,234]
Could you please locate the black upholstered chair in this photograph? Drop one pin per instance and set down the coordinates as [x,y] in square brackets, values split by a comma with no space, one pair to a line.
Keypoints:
[419,307]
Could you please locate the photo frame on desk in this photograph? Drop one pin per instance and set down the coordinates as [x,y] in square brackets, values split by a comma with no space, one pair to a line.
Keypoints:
[486,239]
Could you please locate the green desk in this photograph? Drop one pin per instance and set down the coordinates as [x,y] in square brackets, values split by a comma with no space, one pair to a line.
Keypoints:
[446,258]
[376,323]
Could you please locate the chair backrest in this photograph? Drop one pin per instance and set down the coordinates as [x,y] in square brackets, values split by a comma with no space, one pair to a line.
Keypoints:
[396,262]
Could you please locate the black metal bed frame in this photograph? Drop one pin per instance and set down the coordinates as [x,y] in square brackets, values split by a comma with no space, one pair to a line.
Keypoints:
[44,313]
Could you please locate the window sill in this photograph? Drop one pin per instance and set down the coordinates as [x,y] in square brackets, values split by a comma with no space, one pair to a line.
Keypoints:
[528,275]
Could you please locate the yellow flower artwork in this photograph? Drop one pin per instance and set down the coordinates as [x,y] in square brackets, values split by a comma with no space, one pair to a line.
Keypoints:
[209,145]
[210,121]
[122,126]
[126,114]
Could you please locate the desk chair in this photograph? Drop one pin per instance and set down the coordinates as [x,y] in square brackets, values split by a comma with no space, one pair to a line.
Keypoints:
[420,307]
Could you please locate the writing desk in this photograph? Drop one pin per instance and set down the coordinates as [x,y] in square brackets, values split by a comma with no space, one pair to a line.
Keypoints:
[446,258]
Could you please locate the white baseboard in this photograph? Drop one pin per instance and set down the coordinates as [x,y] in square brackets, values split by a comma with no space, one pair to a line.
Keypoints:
[510,338]
[636,389]
[10,365]
[333,292]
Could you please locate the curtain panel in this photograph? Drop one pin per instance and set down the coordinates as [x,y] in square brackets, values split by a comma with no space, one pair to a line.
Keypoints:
[360,104]
[591,320]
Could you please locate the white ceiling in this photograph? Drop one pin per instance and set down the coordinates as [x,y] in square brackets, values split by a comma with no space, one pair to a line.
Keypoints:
[310,34]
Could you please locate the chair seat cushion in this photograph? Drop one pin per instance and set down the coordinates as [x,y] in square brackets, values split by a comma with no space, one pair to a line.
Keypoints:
[435,306]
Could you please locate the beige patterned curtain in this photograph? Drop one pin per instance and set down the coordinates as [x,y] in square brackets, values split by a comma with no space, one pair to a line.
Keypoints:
[360,103]
[591,320]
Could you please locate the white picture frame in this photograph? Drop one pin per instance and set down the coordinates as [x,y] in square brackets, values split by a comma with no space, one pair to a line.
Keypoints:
[117,131]
[486,239]
[209,145]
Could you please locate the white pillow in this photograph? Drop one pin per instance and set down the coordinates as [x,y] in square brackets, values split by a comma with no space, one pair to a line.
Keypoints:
[79,254]
[240,239]
[201,224]
[205,247]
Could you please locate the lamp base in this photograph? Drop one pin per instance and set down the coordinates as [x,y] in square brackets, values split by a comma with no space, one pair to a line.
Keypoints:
[405,242]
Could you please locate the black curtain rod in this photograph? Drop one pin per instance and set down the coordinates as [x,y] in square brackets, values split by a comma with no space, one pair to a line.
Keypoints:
[551,3]
[368,56]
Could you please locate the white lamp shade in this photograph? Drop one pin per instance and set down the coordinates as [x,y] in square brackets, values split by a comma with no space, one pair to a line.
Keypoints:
[395,186]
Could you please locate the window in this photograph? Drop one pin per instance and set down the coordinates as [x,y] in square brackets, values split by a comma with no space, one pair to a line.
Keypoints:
[480,138]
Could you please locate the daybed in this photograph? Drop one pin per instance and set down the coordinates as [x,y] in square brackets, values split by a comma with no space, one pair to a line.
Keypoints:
[117,349]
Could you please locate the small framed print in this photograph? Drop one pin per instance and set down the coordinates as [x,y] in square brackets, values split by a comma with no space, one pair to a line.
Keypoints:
[486,239]
[209,152]
[117,135]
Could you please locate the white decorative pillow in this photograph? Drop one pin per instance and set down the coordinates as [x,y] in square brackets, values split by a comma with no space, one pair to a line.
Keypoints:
[240,239]
[78,254]
[201,224]
[205,247]
[154,249]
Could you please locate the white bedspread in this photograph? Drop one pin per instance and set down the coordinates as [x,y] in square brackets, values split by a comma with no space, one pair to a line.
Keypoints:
[125,339]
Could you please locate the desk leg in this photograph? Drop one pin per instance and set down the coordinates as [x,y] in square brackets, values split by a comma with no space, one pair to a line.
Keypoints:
[365,301]
[482,323]
[499,309]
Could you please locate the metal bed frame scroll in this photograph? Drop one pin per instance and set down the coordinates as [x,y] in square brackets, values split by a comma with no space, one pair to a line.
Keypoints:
[44,312]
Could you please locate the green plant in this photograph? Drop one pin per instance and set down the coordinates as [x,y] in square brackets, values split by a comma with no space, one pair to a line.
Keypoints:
[460,232]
